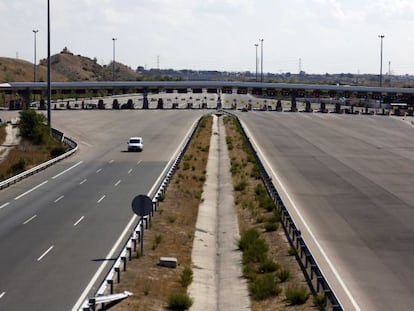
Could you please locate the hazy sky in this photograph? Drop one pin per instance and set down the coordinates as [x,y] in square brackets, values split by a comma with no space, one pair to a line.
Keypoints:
[327,35]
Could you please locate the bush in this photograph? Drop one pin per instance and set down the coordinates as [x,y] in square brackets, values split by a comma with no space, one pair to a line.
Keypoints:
[319,302]
[271,226]
[17,167]
[259,190]
[283,275]
[297,295]
[264,286]
[57,151]
[186,277]
[179,301]
[268,266]
[241,185]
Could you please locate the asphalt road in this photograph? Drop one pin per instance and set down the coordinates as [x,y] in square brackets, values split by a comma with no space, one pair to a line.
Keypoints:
[349,182]
[58,227]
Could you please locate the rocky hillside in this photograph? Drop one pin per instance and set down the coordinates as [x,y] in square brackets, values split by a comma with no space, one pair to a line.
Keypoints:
[65,67]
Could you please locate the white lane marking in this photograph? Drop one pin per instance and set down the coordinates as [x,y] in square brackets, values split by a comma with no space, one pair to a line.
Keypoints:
[45,253]
[97,171]
[83,181]
[30,219]
[139,162]
[4,205]
[117,183]
[130,170]
[112,161]
[325,256]
[2,294]
[100,200]
[79,220]
[67,170]
[28,191]
[59,198]
[126,230]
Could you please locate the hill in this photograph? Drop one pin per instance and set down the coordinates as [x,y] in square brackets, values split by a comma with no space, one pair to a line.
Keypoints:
[65,67]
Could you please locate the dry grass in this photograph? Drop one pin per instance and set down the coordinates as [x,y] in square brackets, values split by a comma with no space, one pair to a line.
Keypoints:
[171,233]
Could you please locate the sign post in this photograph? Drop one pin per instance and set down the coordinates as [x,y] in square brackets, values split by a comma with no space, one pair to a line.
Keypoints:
[142,206]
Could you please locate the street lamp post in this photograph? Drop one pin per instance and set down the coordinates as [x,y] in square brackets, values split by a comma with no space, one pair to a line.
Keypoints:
[49,86]
[380,80]
[113,58]
[256,45]
[261,60]
[34,62]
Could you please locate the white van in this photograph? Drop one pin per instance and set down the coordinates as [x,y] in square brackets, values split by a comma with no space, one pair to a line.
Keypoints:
[135,144]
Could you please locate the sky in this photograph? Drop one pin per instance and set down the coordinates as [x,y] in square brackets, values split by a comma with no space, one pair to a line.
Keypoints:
[316,36]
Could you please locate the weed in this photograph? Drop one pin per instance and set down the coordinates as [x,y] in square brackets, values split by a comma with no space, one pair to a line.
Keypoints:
[264,286]
[179,301]
[283,275]
[186,277]
[268,266]
[271,226]
[297,295]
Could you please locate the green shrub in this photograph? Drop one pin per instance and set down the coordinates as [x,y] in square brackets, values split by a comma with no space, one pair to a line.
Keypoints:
[241,186]
[319,302]
[292,251]
[264,286]
[268,266]
[297,295]
[17,167]
[259,190]
[186,277]
[271,226]
[179,301]
[283,275]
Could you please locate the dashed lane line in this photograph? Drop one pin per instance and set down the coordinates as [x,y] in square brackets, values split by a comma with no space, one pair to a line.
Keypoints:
[45,253]
[100,200]
[4,205]
[29,220]
[82,182]
[117,183]
[28,191]
[59,198]
[67,170]
[79,220]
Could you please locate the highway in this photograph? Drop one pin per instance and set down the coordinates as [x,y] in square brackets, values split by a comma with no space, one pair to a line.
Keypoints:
[349,181]
[61,226]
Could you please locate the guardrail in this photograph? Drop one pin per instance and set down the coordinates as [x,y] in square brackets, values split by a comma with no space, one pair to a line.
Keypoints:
[56,134]
[314,276]
[120,264]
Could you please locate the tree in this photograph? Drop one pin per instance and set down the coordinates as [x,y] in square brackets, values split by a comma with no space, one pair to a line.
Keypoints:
[33,126]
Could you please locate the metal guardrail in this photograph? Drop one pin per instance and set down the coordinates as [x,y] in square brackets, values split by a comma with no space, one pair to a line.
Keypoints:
[56,134]
[120,264]
[314,276]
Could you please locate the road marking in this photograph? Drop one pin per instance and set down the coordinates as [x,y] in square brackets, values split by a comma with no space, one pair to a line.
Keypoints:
[100,200]
[28,191]
[80,219]
[325,256]
[67,170]
[4,205]
[117,183]
[2,294]
[130,170]
[139,162]
[112,161]
[30,219]
[83,181]
[59,198]
[98,170]
[45,253]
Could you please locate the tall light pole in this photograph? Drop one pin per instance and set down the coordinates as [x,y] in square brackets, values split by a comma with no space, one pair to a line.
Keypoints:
[380,80]
[34,62]
[261,60]
[256,45]
[49,87]
[113,58]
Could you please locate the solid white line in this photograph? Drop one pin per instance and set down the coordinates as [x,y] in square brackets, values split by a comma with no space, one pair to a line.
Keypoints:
[117,183]
[45,253]
[30,219]
[97,171]
[100,200]
[83,181]
[325,256]
[28,191]
[80,219]
[130,170]
[2,294]
[59,198]
[68,169]
[4,205]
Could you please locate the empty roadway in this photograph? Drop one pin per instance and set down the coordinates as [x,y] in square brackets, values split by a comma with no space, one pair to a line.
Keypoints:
[350,179]
[59,226]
